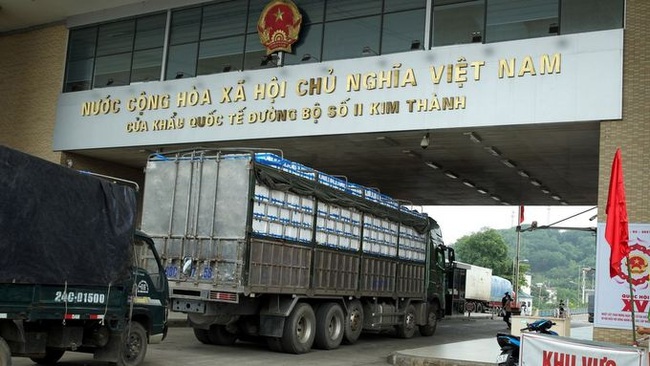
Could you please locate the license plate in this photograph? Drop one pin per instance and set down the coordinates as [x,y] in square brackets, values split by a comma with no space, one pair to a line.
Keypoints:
[502,358]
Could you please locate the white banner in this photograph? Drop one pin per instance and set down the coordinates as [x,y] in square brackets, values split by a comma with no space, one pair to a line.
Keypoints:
[613,302]
[546,350]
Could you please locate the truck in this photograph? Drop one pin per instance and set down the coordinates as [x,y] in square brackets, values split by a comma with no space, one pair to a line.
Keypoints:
[75,275]
[473,288]
[256,245]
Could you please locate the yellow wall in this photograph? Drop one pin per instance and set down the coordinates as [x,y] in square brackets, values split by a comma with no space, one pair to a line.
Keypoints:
[31,75]
[632,135]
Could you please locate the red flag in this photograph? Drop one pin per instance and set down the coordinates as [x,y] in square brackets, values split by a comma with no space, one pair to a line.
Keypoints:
[521,214]
[616,230]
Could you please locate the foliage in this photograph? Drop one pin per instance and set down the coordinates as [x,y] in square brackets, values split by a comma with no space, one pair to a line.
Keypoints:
[555,258]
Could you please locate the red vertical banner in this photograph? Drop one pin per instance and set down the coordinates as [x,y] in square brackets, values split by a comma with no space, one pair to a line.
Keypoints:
[521,214]
[616,227]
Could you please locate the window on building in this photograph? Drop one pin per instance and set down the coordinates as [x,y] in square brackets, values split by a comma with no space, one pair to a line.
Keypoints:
[591,15]
[517,19]
[458,22]
[116,53]
[222,36]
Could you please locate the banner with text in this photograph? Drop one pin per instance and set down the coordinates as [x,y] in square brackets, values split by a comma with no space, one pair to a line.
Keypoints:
[613,304]
[546,350]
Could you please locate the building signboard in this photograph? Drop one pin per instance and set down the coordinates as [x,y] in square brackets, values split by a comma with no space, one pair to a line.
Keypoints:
[544,80]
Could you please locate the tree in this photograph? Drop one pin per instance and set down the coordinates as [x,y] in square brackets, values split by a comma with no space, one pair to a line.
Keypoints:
[485,248]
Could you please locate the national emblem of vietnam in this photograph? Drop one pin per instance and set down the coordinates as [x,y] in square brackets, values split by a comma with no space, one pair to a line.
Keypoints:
[279,25]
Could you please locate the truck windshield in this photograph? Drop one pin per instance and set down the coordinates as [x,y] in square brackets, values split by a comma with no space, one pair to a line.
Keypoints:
[146,260]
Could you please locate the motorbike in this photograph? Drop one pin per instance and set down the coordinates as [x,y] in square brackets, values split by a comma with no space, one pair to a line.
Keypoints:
[509,343]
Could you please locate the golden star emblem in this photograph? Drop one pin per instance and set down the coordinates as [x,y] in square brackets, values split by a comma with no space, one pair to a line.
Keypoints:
[279,15]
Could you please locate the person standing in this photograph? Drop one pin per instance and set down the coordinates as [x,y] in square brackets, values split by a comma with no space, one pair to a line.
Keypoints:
[506,305]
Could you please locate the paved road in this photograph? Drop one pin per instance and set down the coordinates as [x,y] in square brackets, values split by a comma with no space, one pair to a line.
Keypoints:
[181,348]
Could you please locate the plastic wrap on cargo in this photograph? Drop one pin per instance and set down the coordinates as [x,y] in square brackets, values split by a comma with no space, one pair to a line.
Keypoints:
[285,181]
[60,226]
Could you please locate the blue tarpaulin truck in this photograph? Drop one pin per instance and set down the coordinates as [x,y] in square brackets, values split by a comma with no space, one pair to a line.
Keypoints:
[75,275]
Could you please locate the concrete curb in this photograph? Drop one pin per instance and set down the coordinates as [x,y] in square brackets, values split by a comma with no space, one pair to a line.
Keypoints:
[400,359]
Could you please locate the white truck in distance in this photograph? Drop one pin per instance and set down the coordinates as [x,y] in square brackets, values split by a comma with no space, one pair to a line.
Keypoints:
[255,244]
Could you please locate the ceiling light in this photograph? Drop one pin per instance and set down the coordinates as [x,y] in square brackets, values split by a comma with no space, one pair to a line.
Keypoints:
[556,197]
[563,203]
[535,182]
[505,203]
[496,198]
[411,153]
[468,183]
[523,173]
[425,141]
[508,163]
[451,175]
[481,191]
[546,191]
[432,165]
[493,151]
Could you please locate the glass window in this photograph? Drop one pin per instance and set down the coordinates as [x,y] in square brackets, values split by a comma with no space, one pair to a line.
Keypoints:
[518,19]
[78,75]
[146,65]
[181,61]
[345,9]
[150,32]
[255,57]
[220,55]
[312,10]
[348,38]
[402,30]
[185,26]
[82,43]
[112,70]
[591,15]
[115,38]
[308,44]
[397,5]
[458,22]
[223,19]
[255,9]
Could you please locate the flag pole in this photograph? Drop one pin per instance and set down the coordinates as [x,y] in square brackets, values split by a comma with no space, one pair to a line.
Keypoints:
[629,282]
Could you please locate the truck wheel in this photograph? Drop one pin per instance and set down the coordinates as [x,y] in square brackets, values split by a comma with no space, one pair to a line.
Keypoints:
[429,328]
[202,335]
[52,356]
[407,328]
[219,335]
[330,324]
[299,329]
[479,308]
[5,353]
[134,345]
[353,322]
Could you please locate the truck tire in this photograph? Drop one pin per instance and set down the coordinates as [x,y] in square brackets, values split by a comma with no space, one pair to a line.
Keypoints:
[219,335]
[202,335]
[330,326]
[5,353]
[52,356]
[429,328]
[479,308]
[353,322]
[134,345]
[407,328]
[299,329]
